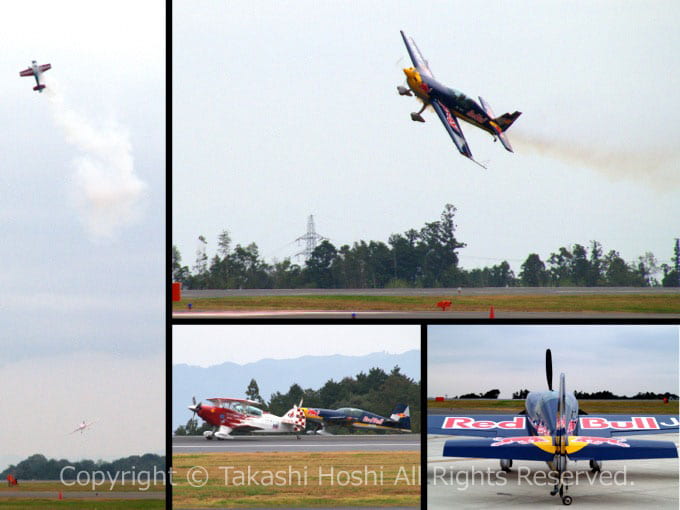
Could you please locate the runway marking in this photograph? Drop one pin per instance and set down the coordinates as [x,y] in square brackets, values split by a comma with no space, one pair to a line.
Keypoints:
[326,445]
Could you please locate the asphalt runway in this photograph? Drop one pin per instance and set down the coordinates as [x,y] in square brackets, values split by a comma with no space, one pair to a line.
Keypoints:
[306,443]
[448,315]
[479,483]
[481,291]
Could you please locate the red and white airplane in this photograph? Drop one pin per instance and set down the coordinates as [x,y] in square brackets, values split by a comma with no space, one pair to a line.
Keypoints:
[82,427]
[36,70]
[229,415]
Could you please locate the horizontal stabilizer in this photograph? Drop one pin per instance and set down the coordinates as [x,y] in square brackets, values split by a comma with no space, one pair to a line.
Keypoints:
[499,448]
[39,88]
[600,448]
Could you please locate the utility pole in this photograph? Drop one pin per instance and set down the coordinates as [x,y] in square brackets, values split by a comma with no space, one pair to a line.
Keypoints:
[311,238]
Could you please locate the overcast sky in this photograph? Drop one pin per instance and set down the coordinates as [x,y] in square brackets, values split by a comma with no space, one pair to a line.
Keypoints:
[207,345]
[284,110]
[82,223]
[624,359]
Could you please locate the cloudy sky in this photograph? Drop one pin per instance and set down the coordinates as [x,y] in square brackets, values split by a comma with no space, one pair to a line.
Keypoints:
[234,342]
[82,222]
[624,359]
[287,110]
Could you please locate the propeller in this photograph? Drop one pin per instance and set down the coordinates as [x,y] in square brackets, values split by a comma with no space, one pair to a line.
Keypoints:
[548,368]
[196,407]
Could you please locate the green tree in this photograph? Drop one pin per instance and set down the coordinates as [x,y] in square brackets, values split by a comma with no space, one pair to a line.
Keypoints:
[533,273]
[253,392]
[318,268]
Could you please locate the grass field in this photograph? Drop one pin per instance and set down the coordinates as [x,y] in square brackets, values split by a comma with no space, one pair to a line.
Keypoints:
[56,486]
[627,303]
[590,406]
[81,504]
[298,479]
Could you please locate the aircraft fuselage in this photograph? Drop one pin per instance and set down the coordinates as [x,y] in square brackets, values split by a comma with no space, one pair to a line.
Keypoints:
[462,106]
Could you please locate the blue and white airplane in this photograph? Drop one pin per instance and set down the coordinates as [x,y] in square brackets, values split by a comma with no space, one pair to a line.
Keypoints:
[552,429]
[451,104]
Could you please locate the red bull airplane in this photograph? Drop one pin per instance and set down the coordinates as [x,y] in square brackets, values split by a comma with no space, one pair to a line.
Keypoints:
[82,427]
[554,430]
[36,70]
[451,104]
[399,420]
[231,416]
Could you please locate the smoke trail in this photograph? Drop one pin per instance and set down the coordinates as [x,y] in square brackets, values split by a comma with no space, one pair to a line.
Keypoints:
[656,168]
[106,191]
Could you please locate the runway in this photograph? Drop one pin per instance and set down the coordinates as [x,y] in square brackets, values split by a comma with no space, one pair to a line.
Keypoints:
[306,443]
[479,483]
[448,315]
[473,291]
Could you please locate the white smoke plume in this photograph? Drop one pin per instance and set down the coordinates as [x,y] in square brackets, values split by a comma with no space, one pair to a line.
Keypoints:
[105,189]
[655,168]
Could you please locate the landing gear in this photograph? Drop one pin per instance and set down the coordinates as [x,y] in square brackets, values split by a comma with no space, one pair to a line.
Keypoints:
[416,117]
[506,464]
[595,466]
[403,91]
[566,500]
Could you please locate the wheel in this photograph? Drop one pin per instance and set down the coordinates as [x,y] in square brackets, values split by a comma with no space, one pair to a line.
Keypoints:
[595,466]
[566,500]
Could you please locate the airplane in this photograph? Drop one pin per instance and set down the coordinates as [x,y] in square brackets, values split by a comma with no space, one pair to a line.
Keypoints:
[82,427]
[399,420]
[236,415]
[450,103]
[36,70]
[553,429]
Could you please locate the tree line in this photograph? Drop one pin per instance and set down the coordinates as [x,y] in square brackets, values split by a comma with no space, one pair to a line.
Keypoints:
[427,257]
[376,391]
[608,395]
[38,467]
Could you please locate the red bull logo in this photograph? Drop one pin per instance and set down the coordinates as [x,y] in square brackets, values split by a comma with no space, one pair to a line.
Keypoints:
[601,440]
[312,412]
[375,421]
[502,441]
[635,423]
[464,422]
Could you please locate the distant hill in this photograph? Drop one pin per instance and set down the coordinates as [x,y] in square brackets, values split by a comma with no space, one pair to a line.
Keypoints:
[231,379]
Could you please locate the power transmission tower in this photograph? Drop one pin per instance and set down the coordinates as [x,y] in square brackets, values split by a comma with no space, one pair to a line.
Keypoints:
[311,238]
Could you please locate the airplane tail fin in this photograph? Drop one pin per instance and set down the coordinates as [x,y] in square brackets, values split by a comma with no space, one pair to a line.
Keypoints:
[561,437]
[503,122]
[296,418]
[402,416]
[506,120]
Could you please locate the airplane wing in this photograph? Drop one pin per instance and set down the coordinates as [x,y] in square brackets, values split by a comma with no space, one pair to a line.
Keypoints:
[451,124]
[26,72]
[493,425]
[44,67]
[609,425]
[417,58]
[220,400]
[542,448]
